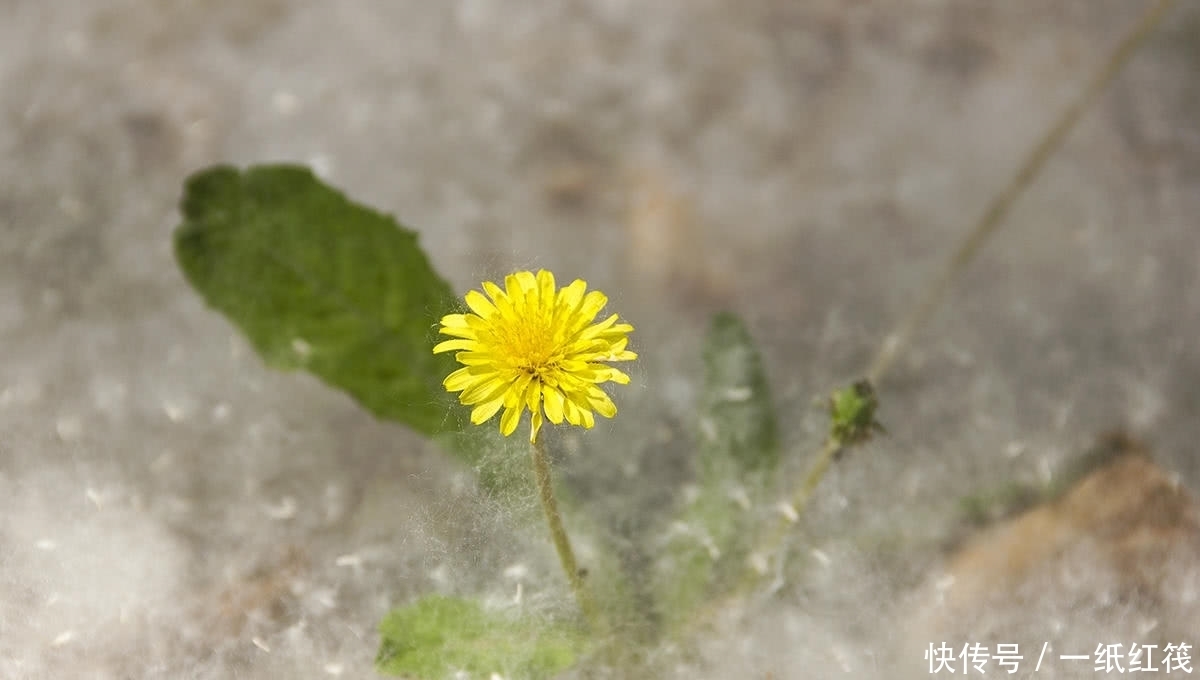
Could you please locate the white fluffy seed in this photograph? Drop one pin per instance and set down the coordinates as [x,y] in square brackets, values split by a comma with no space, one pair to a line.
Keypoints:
[788,511]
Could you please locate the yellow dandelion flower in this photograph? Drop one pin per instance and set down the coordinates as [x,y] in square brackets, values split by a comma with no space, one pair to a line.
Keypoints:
[533,347]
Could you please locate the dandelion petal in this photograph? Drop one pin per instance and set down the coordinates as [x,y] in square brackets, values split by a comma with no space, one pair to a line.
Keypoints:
[553,401]
[508,421]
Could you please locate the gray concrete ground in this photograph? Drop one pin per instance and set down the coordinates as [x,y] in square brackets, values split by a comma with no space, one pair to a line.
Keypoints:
[169,508]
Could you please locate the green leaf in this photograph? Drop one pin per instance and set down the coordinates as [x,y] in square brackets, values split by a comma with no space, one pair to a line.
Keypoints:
[737,418]
[438,637]
[320,283]
[739,449]
[705,550]
[317,282]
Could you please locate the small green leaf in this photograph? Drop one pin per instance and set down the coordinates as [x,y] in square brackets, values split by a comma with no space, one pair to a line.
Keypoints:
[705,549]
[439,637]
[737,418]
[739,450]
[318,282]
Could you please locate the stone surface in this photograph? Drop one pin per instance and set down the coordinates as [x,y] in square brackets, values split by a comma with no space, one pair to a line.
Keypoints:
[1114,561]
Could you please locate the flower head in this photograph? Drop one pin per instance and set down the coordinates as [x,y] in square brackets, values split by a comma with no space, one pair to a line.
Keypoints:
[533,347]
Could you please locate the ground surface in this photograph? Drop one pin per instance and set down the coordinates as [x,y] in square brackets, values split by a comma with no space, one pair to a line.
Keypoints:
[169,508]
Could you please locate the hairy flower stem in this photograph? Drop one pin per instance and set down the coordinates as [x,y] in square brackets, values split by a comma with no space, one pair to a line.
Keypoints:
[562,543]
[772,546]
[799,500]
[996,211]
[971,244]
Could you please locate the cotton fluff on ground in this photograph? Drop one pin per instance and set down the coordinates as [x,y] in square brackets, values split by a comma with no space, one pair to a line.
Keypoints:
[169,508]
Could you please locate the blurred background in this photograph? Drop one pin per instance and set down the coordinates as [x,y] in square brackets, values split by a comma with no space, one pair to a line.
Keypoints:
[169,508]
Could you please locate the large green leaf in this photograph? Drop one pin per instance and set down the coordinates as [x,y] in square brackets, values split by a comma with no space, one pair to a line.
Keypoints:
[440,637]
[318,282]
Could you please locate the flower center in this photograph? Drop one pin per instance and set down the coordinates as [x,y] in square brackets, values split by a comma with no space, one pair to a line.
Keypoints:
[531,349]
